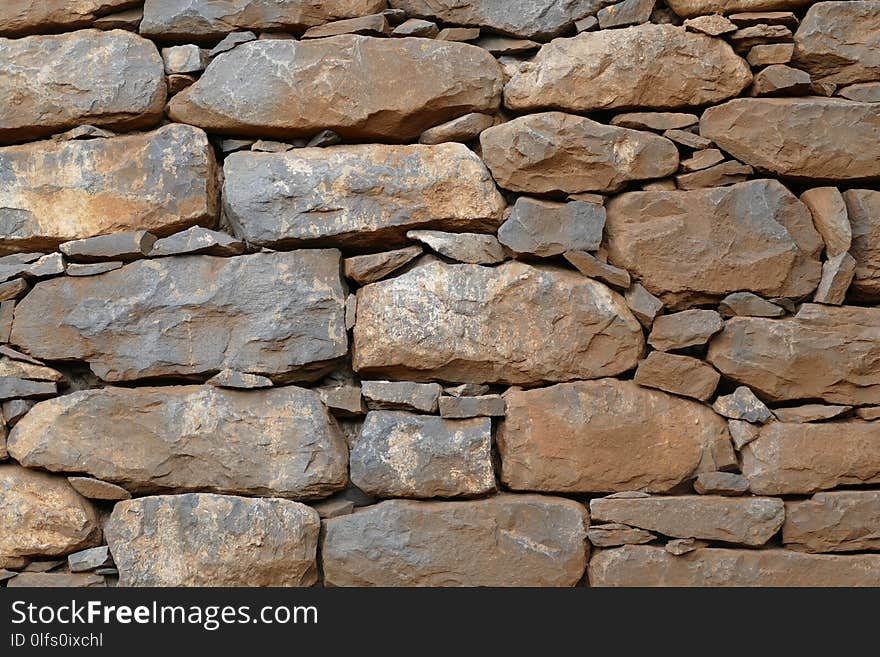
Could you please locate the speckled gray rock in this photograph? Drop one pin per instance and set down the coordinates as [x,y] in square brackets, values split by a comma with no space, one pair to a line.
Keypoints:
[840,521]
[506,540]
[189,438]
[355,83]
[545,229]
[479,406]
[213,540]
[276,314]
[51,89]
[286,199]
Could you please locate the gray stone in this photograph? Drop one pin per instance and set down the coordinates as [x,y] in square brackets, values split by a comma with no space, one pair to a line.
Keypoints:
[90,559]
[271,146]
[680,546]
[7,312]
[117,246]
[781,80]
[97,489]
[837,274]
[83,132]
[323,139]
[742,404]
[184,59]
[721,483]
[865,92]
[592,267]
[713,25]
[614,534]
[14,409]
[467,390]
[13,289]
[232,40]
[627,12]
[25,370]
[333,507]
[416,27]
[343,399]
[239,380]
[545,229]
[93,269]
[499,45]
[467,407]
[11,388]
[366,269]
[458,34]
[401,395]
[23,17]
[197,240]
[471,248]
[644,305]
[688,328]
[746,304]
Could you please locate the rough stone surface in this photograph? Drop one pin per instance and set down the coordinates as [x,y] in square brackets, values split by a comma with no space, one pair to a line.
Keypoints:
[837,274]
[809,412]
[197,240]
[689,8]
[746,304]
[680,375]
[545,228]
[130,245]
[464,128]
[614,534]
[841,521]
[830,218]
[472,248]
[402,395]
[657,121]
[687,328]
[97,489]
[23,17]
[721,483]
[726,173]
[592,267]
[742,404]
[866,92]
[863,208]
[480,406]
[366,269]
[767,54]
[781,80]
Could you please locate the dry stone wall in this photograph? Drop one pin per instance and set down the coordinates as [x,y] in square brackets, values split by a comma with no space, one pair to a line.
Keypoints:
[440,293]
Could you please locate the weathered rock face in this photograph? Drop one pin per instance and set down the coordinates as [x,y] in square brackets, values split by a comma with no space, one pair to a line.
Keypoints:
[400,454]
[522,540]
[162,181]
[111,79]
[844,521]
[689,8]
[279,442]
[213,540]
[800,458]
[557,152]
[646,66]
[42,515]
[645,565]
[23,17]
[789,136]
[838,42]
[697,246]
[300,197]
[823,353]
[463,323]
[608,436]
[355,88]
[529,19]
[863,210]
[278,314]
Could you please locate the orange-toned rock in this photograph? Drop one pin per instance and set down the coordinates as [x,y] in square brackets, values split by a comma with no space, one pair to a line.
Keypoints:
[22,17]
[689,8]
[863,210]
[840,521]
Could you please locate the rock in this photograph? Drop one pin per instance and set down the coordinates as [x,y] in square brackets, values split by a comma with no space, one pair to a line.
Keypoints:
[85,560]
[11,387]
[161,181]
[810,412]
[713,25]
[44,566]
[645,565]
[324,138]
[829,212]
[671,241]
[658,121]
[212,19]
[275,314]
[745,521]
[177,82]
[239,380]
[627,12]
[749,18]
[42,266]
[13,289]
[687,139]
[680,375]
[333,507]
[688,8]
[742,433]
[288,199]
[399,454]
[726,173]
[702,159]
[467,390]
[798,459]
[197,240]
[42,515]
[343,399]
[781,80]
[23,18]
[868,412]
[823,352]
[499,45]
[592,267]
[866,92]
[7,311]
[359,99]
[464,324]
[557,152]
[401,395]
[586,24]
[473,248]
[59,580]
[644,305]
[93,269]
[767,54]
[863,209]
[746,304]
[83,132]
[614,534]
[747,37]
[415,27]
[184,59]
[213,540]
[458,34]
[123,88]
[97,489]
[784,136]
[366,269]
[721,483]
[10,368]
[544,228]
[684,329]
[506,540]
[680,546]
[269,146]
[606,436]
[371,25]
[463,129]
[620,69]
[837,274]
[14,409]
[232,40]
[841,521]
[742,405]
[837,41]
[467,407]
[117,246]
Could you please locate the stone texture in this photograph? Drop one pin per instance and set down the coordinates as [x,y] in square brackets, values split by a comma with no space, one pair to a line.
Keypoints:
[702,159]
[299,197]
[130,245]
[746,304]
[277,314]
[644,305]
[24,17]
[402,395]
[620,69]
[745,521]
[744,39]
[657,121]
[726,173]
[830,218]
[770,53]
[837,274]
[781,80]
[688,8]
[184,59]
[464,323]
[713,25]
[809,412]
[60,580]
[400,454]
[823,352]
[614,534]
[645,565]
[863,208]
[680,375]
[742,404]
[472,248]
[627,12]
[558,152]
[842,521]
[545,228]
[366,269]
[189,438]
[42,515]
[466,407]
[89,559]
[371,25]
[688,328]
[506,540]
[213,540]
[416,27]
[607,436]
[671,242]
[197,240]
[787,136]
[592,267]
[97,489]
[721,483]
[238,380]
[107,79]
[464,128]
[358,78]
[93,269]
[161,181]
[866,92]
[798,459]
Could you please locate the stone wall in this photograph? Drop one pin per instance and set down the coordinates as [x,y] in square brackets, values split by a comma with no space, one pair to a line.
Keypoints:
[500,292]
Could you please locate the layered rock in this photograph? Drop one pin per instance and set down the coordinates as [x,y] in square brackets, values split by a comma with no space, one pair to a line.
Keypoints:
[161,181]
[213,540]
[790,137]
[354,84]
[297,197]
[863,210]
[689,8]
[278,314]
[279,442]
[823,352]
[646,66]
[691,247]
[608,436]
[111,79]
[23,17]
[507,540]
[464,323]
[558,152]
[843,521]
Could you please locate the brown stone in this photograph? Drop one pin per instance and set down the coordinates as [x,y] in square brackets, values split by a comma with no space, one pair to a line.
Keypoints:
[866,92]
[702,159]
[467,407]
[746,304]
[464,128]
[458,34]
[721,483]
[416,27]
[768,54]
[592,267]
[23,17]
[841,521]
[657,121]
[371,25]
[57,580]
[747,37]
[644,305]
[366,269]
[830,218]
[863,209]
[471,248]
[680,546]
[680,375]
[713,25]
[627,12]
[97,489]
[687,139]
[809,412]
[748,18]
[837,274]
[401,395]
[688,328]
[781,80]
[720,175]
[500,46]
[614,534]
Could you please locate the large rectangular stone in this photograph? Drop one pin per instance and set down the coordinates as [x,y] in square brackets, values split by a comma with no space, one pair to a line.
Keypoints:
[839,521]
